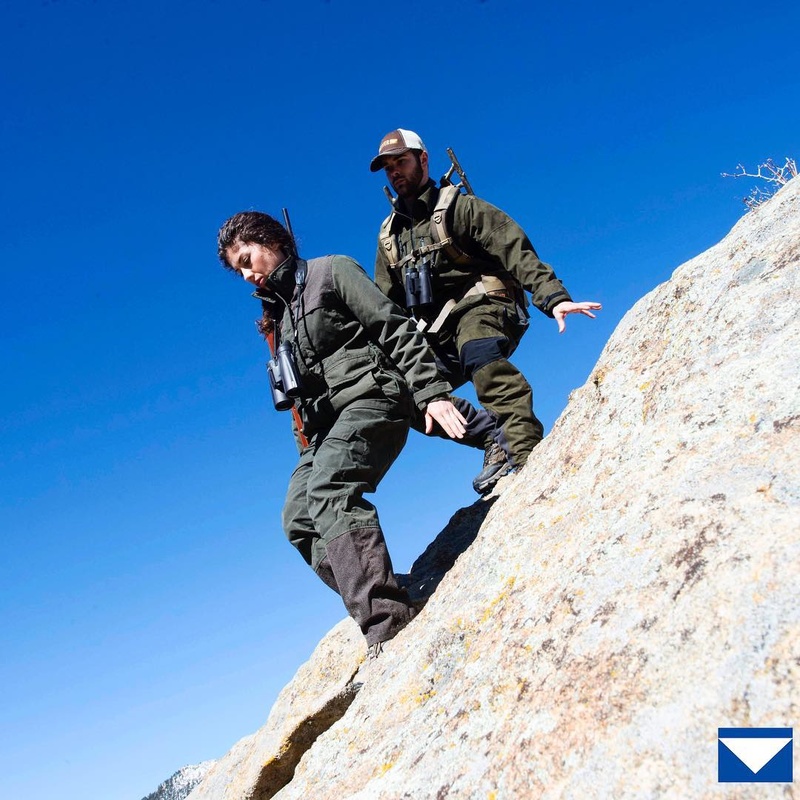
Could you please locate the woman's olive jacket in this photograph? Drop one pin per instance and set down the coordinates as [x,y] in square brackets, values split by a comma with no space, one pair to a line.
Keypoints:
[350,341]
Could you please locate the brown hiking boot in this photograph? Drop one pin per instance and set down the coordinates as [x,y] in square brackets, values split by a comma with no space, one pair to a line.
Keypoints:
[495,466]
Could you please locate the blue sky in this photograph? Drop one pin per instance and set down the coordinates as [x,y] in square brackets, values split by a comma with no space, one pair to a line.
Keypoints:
[150,608]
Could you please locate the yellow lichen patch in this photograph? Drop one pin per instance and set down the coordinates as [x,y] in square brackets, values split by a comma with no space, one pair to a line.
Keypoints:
[416,698]
[499,599]
[284,749]
[425,696]
[383,768]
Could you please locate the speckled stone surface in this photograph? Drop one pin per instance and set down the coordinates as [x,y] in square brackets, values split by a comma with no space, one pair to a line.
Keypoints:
[634,588]
[318,695]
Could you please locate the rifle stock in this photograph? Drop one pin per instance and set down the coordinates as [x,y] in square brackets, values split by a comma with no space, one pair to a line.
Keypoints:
[456,167]
[296,418]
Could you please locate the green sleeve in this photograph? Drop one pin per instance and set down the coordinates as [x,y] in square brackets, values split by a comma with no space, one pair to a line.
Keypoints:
[389,328]
[509,246]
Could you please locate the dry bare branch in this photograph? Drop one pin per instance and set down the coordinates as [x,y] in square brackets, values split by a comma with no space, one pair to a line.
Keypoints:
[775,175]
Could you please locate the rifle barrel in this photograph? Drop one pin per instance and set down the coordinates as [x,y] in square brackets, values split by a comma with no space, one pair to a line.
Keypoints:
[287,223]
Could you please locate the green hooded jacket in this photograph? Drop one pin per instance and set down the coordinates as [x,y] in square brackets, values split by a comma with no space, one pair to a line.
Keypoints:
[495,244]
[350,342]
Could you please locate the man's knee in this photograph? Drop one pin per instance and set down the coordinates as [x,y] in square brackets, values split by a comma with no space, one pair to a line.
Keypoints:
[477,353]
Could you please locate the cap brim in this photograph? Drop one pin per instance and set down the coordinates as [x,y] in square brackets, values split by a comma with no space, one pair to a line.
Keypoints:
[377,163]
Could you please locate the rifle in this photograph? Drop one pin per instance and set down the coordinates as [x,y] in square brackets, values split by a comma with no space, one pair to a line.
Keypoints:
[446,179]
[284,379]
[455,166]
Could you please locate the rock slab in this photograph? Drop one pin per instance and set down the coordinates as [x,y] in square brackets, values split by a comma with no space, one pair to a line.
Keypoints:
[633,589]
[319,694]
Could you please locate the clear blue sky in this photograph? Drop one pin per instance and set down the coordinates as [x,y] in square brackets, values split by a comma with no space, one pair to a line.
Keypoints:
[150,607]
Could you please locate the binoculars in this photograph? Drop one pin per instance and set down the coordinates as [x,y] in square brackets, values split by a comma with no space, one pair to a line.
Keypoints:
[418,285]
[284,379]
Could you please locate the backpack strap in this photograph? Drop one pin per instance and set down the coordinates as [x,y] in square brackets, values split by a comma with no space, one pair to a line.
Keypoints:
[440,233]
[441,221]
[388,241]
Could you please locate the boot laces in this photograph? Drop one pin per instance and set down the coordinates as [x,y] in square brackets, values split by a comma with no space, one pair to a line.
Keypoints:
[494,455]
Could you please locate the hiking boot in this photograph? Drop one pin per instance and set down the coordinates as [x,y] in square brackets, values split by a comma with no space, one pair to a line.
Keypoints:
[495,465]
[369,664]
[374,650]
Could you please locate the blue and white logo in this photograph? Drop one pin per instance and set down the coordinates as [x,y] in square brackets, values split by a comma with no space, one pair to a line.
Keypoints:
[755,755]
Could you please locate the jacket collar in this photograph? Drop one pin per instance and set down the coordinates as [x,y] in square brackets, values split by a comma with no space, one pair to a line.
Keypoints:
[280,283]
[422,206]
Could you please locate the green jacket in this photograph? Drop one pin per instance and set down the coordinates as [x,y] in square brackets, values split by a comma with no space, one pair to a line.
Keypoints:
[350,342]
[495,243]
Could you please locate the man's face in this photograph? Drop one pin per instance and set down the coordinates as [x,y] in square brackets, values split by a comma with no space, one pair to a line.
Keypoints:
[407,172]
[254,262]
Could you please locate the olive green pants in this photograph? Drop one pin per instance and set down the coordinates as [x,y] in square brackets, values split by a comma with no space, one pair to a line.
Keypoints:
[475,345]
[336,530]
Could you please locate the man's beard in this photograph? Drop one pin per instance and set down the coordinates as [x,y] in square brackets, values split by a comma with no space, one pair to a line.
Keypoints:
[409,188]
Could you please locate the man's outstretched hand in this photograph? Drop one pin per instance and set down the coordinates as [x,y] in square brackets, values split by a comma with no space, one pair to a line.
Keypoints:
[568,307]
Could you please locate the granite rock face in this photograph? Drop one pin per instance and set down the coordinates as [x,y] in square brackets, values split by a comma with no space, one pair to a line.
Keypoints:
[318,695]
[633,589]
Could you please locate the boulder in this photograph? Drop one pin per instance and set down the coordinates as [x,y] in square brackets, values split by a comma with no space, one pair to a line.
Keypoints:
[633,589]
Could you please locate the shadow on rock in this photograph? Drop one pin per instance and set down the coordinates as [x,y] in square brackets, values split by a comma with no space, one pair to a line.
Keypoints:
[278,771]
[440,555]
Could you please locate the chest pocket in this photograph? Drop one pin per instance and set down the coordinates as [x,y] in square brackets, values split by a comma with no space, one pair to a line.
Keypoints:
[322,326]
[352,375]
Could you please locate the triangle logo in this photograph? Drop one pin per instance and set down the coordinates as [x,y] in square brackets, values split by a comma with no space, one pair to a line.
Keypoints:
[755,753]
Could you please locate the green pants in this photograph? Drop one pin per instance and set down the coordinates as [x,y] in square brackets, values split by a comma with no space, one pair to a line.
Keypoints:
[475,345]
[336,530]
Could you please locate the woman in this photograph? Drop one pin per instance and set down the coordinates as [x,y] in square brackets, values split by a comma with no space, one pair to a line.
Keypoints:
[364,373]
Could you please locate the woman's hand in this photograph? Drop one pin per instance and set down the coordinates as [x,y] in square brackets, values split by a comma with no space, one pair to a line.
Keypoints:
[448,416]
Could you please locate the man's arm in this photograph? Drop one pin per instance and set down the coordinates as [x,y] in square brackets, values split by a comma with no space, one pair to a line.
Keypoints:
[508,245]
[391,330]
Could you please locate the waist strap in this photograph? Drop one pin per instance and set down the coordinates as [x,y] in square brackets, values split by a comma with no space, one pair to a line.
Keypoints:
[486,284]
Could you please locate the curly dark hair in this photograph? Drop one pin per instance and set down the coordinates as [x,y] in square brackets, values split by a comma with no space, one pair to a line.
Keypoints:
[251,227]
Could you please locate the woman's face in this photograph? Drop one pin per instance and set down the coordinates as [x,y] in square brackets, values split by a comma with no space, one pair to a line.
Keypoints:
[254,262]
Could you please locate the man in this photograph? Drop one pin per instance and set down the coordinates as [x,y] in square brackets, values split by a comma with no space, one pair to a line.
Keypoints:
[363,373]
[477,263]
